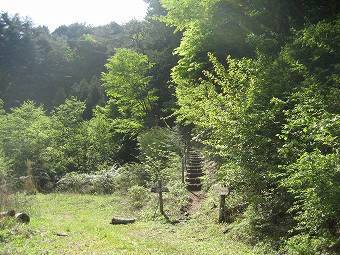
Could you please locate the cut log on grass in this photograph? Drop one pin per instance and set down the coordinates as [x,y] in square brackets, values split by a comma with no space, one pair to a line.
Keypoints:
[116,221]
[10,213]
[22,217]
[61,234]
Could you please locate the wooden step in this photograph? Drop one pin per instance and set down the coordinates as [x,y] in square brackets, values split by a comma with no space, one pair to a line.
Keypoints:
[193,180]
[194,168]
[195,156]
[194,171]
[195,163]
[194,175]
[194,187]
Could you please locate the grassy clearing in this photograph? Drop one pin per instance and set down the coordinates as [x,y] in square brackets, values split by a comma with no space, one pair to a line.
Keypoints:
[79,224]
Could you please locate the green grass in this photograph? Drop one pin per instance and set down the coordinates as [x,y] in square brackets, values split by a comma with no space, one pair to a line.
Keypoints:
[84,220]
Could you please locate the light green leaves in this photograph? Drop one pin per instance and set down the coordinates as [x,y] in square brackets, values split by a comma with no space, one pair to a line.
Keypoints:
[127,84]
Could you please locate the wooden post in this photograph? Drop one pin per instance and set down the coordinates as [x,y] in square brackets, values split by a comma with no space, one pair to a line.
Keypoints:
[184,163]
[159,189]
[222,213]
[160,196]
[183,168]
[221,217]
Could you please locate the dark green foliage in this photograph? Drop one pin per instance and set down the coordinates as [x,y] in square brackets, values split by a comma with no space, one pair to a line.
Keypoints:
[92,93]
[50,67]
[311,136]
[314,182]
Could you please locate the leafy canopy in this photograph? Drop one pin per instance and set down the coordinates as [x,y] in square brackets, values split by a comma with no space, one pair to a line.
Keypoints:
[127,85]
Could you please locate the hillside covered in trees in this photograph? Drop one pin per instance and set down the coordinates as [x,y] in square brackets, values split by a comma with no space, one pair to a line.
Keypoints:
[253,85]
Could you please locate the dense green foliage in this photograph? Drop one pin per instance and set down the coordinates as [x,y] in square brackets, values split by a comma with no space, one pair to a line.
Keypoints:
[271,117]
[128,87]
[50,67]
[254,84]
[56,144]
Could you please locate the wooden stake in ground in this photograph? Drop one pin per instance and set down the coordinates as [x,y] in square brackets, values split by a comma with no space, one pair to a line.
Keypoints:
[29,182]
[222,212]
[160,191]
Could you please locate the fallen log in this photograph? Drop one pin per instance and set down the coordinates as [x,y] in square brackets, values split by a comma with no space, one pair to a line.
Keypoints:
[61,234]
[22,217]
[116,221]
[10,213]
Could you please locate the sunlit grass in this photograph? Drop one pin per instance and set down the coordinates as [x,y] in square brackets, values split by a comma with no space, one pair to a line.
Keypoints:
[79,224]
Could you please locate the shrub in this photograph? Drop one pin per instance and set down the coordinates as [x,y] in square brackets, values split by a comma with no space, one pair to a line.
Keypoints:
[307,245]
[5,186]
[129,175]
[30,186]
[99,182]
[138,196]
[314,180]
[175,202]
[177,199]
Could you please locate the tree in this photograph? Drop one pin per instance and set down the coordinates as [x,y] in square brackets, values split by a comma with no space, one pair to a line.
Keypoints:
[16,54]
[310,151]
[159,43]
[268,113]
[127,85]
[25,133]
[91,92]
[70,138]
[103,143]
[161,152]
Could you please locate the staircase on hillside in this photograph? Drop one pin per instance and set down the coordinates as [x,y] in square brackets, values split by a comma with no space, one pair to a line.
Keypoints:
[193,171]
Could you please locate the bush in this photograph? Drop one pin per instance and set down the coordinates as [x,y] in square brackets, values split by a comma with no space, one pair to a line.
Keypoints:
[102,182]
[130,175]
[314,180]
[177,199]
[5,186]
[175,202]
[138,196]
[307,245]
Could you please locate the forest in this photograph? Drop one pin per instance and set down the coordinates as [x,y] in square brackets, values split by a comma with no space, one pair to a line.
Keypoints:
[253,85]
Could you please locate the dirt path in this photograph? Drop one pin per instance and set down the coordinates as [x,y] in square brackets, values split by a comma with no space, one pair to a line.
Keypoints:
[196,198]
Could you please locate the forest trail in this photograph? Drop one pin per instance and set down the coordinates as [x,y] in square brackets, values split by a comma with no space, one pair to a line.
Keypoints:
[195,201]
